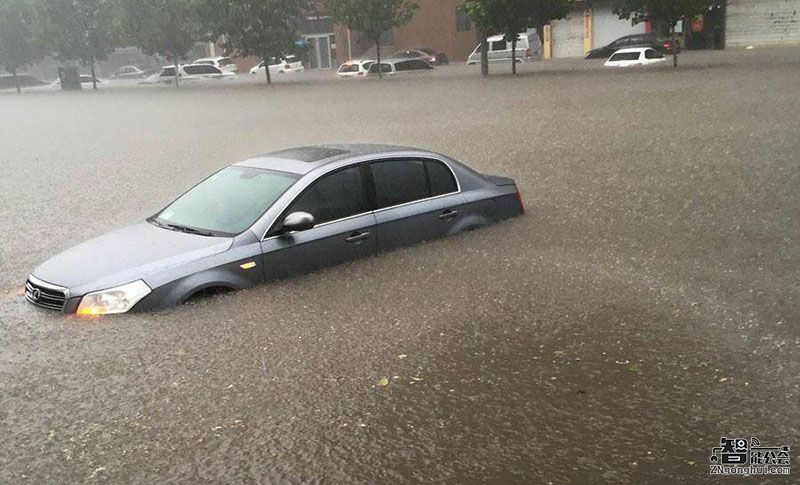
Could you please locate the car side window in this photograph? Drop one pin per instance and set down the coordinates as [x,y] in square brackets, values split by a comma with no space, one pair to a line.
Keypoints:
[440,178]
[419,64]
[403,66]
[498,45]
[334,196]
[399,181]
[651,54]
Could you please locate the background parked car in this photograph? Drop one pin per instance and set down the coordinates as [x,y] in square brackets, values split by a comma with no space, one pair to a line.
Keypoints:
[430,55]
[398,66]
[188,72]
[128,72]
[354,68]
[85,79]
[280,65]
[224,64]
[529,48]
[637,40]
[636,56]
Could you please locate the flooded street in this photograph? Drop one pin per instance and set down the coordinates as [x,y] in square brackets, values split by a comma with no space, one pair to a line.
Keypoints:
[645,305]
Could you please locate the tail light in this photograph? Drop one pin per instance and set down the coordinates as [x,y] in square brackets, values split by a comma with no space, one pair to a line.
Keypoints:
[287,66]
[360,73]
[667,45]
[521,204]
[528,53]
[432,59]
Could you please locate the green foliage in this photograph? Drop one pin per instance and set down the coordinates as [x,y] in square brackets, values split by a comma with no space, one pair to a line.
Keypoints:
[254,27]
[82,30]
[511,17]
[20,34]
[373,17]
[165,27]
[662,13]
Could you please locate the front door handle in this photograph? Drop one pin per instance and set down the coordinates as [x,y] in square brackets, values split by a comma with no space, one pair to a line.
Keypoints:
[357,237]
[448,214]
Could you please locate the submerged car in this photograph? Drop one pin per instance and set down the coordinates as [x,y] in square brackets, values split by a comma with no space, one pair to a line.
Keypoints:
[355,68]
[272,216]
[663,46]
[637,56]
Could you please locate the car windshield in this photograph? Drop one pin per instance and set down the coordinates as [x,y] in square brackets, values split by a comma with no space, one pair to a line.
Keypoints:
[228,202]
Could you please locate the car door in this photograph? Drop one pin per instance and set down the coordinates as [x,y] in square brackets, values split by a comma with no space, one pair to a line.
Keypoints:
[344,229]
[415,200]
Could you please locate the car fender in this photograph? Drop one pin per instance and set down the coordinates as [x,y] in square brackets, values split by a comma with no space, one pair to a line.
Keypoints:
[180,290]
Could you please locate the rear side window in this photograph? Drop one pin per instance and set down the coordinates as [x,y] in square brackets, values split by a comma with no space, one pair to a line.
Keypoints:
[225,61]
[440,178]
[201,69]
[417,64]
[399,181]
[651,54]
[334,196]
[348,68]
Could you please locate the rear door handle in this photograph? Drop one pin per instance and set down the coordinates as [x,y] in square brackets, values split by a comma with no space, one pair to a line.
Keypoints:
[357,237]
[448,214]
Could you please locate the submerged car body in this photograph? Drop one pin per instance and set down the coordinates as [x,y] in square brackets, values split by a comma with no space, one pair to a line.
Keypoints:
[272,216]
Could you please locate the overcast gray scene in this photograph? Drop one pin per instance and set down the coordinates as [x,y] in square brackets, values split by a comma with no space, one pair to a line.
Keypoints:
[594,279]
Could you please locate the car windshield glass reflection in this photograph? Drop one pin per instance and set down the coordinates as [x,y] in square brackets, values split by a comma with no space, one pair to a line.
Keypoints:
[227,203]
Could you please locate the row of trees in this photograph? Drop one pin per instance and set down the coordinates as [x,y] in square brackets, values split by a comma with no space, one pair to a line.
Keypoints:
[87,31]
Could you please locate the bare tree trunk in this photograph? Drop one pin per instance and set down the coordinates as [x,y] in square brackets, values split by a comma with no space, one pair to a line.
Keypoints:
[94,80]
[514,55]
[380,68]
[266,68]
[177,69]
[484,54]
[16,79]
[674,46]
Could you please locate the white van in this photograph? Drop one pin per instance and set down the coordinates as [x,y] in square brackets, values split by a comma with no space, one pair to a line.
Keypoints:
[529,48]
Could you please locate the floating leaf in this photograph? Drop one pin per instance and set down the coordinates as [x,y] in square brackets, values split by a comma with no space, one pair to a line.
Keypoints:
[383,382]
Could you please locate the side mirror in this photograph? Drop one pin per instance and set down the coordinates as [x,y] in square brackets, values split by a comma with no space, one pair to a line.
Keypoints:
[297,221]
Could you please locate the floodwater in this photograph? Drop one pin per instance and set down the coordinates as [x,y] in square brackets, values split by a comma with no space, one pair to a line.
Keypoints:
[643,307]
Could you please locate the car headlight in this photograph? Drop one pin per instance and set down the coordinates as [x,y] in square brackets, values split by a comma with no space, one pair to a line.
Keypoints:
[113,300]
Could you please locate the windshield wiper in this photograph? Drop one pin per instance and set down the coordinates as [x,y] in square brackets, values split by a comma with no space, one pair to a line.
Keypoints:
[178,227]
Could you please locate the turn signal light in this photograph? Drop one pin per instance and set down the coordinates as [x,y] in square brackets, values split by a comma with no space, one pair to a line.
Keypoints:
[521,204]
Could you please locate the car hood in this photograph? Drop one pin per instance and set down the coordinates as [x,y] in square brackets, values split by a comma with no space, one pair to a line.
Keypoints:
[126,255]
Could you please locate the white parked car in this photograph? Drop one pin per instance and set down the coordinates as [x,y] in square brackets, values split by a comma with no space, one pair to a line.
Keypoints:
[279,65]
[399,66]
[354,68]
[224,64]
[188,72]
[635,56]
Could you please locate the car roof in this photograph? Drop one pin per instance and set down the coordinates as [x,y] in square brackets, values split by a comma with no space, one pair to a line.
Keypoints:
[496,38]
[632,49]
[218,58]
[302,160]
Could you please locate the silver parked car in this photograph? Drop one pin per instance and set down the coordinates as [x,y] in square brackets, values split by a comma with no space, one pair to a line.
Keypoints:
[529,48]
[272,216]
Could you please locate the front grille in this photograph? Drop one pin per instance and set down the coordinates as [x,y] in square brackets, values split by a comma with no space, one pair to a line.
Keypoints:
[45,295]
